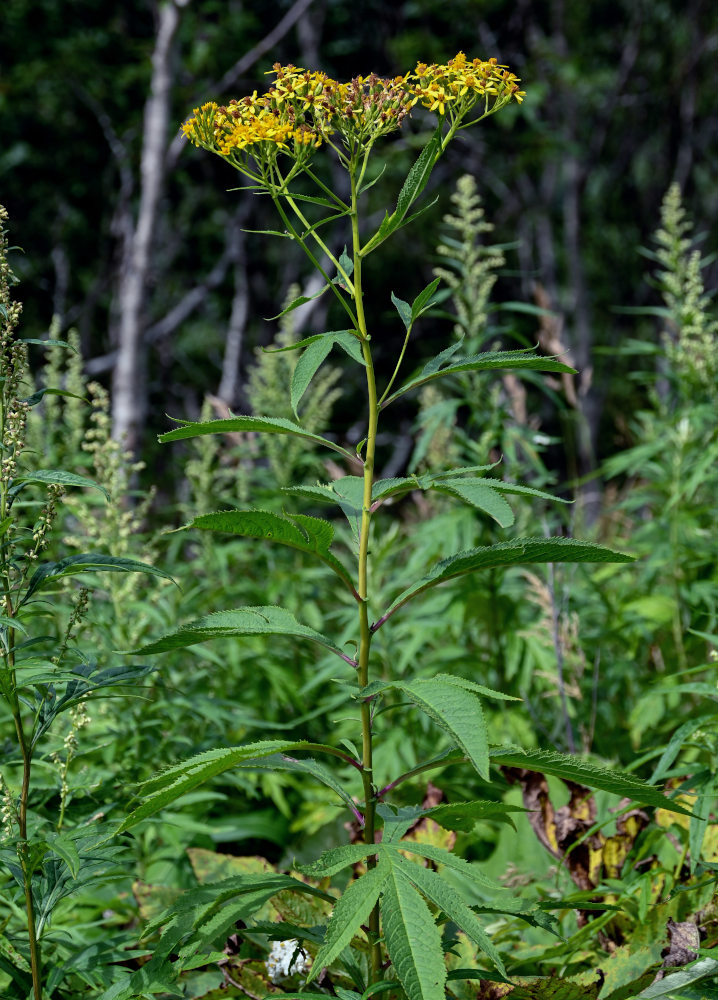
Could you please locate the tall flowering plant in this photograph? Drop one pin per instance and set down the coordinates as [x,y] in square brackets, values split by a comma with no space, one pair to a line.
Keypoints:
[387,929]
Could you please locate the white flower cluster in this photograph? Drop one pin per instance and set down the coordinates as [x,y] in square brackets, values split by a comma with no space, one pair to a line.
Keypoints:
[287,959]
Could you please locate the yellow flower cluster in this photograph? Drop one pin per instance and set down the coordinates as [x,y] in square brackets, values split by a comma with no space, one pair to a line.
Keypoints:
[302,108]
[459,84]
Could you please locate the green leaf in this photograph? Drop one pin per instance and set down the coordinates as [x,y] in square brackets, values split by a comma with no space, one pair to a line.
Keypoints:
[262,620]
[350,912]
[674,982]
[458,712]
[479,493]
[517,552]
[572,768]
[87,562]
[296,303]
[336,859]
[5,524]
[422,302]
[489,361]
[464,815]
[66,849]
[58,477]
[307,534]
[279,762]
[167,786]
[440,856]
[412,938]
[404,310]
[347,493]
[676,742]
[441,894]
[306,368]
[266,425]
[50,343]
[35,398]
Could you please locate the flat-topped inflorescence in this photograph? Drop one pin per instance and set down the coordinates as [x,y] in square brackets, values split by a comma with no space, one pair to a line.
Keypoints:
[303,109]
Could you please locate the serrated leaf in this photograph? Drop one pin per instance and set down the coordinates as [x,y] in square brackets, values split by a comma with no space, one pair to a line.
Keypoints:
[489,361]
[307,534]
[336,859]
[64,847]
[479,494]
[168,785]
[464,815]
[347,493]
[404,310]
[441,894]
[261,620]
[58,477]
[440,856]
[583,772]
[351,911]
[306,368]
[265,425]
[280,762]
[87,562]
[412,939]
[517,552]
[458,712]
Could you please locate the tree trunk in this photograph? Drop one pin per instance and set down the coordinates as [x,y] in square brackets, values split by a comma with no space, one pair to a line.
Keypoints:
[129,390]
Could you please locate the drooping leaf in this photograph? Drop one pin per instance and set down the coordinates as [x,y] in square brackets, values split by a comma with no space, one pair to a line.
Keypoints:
[168,785]
[35,398]
[351,911]
[307,534]
[458,712]
[87,562]
[440,856]
[441,894]
[260,620]
[412,938]
[347,493]
[464,815]
[489,361]
[517,552]
[583,772]
[265,425]
[480,494]
[57,477]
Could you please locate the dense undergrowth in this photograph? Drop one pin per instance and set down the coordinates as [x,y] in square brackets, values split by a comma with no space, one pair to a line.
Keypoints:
[600,897]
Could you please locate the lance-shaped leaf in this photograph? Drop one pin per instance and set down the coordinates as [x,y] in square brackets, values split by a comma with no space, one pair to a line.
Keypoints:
[488,361]
[412,938]
[281,762]
[261,620]
[518,552]
[583,772]
[347,493]
[87,562]
[264,425]
[307,534]
[440,856]
[416,181]
[464,815]
[351,911]
[313,357]
[480,494]
[336,859]
[443,895]
[457,711]
[172,782]
[300,300]
[55,477]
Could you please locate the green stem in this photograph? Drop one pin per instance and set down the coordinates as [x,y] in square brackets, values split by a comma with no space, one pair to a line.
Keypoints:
[365,633]
[396,369]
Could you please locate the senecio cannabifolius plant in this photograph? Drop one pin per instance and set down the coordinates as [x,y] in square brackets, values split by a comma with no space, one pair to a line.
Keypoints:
[385,928]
